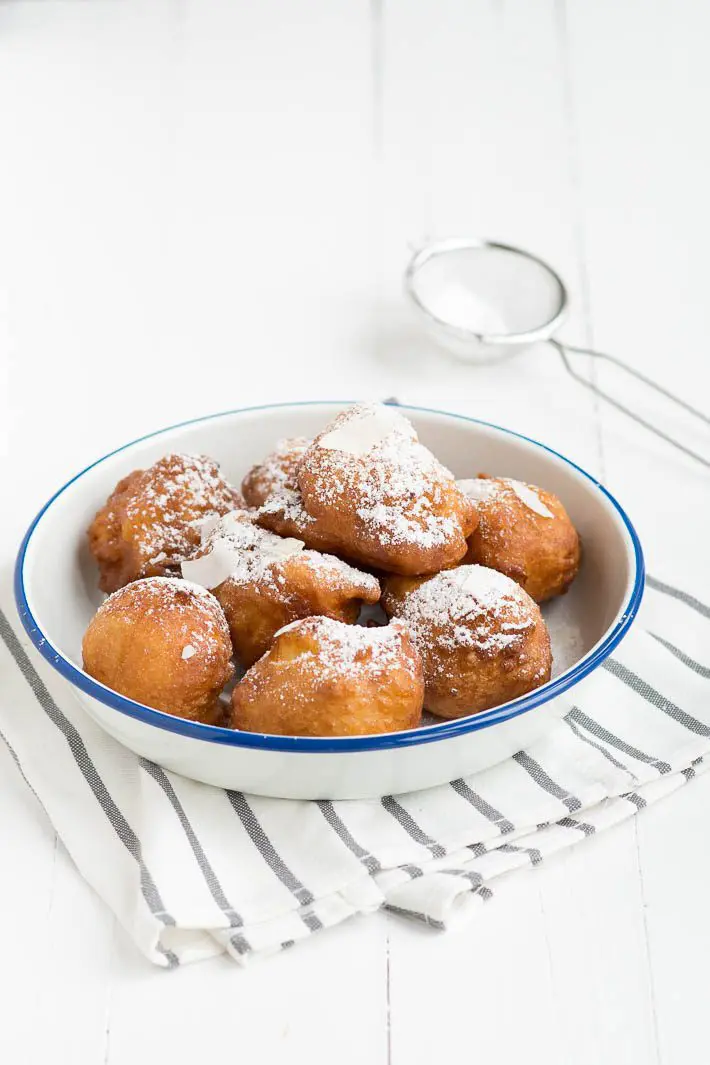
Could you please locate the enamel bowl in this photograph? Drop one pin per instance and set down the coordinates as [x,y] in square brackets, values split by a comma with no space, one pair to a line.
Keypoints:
[57,595]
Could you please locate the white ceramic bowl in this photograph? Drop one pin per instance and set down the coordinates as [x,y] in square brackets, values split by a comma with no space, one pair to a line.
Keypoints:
[56,593]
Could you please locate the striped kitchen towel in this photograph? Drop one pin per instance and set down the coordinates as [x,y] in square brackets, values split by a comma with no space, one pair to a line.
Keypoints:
[192,871]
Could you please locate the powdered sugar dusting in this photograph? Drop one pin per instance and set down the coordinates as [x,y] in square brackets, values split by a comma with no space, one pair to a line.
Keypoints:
[527,493]
[238,550]
[479,488]
[242,553]
[286,502]
[164,502]
[363,427]
[401,489]
[489,489]
[163,588]
[403,493]
[345,650]
[204,526]
[275,480]
[471,607]
[336,573]
[191,612]
[480,582]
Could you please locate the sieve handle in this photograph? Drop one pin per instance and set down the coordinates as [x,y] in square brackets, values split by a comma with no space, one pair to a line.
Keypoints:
[566,349]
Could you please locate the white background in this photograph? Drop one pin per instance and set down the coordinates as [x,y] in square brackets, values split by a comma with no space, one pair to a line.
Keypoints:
[206,204]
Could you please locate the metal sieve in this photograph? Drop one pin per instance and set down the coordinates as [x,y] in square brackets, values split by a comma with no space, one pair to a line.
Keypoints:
[482,300]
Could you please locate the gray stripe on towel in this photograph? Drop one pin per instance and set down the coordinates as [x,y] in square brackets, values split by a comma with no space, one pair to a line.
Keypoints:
[412,871]
[702,671]
[411,827]
[340,828]
[603,734]
[597,746]
[90,774]
[208,873]
[268,852]
[532,852]
[676,593]
[545,782]
[479,803]
[582,826]
[655,698]
[474,878]
[477,885]
[479,849]
[417,916]
[20,770]
[171,958]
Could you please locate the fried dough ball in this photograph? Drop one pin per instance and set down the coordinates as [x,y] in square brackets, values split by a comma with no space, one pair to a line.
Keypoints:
[150,521]
[524,532]
[381,496]
[482,638]
[265,582]
[163,642]
[272,487]
[323,678]
[276,474]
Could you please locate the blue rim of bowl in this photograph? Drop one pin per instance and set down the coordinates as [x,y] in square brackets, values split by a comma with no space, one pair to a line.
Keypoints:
[336,744]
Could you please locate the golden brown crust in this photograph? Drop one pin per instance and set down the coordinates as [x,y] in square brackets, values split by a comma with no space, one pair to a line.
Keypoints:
[265,581]
[150,521]
[299,586]
[272,487]
[482,643]
[322,678]
[165,643]
[467,636]
[276,473]
[538,546]
[393,508]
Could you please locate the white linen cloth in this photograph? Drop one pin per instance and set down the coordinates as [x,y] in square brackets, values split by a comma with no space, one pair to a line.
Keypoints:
[191,871]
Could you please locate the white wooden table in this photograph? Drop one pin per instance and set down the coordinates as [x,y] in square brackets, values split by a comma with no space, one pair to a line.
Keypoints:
[207,204]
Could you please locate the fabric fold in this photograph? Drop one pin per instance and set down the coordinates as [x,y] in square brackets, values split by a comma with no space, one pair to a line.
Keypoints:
[192,871]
